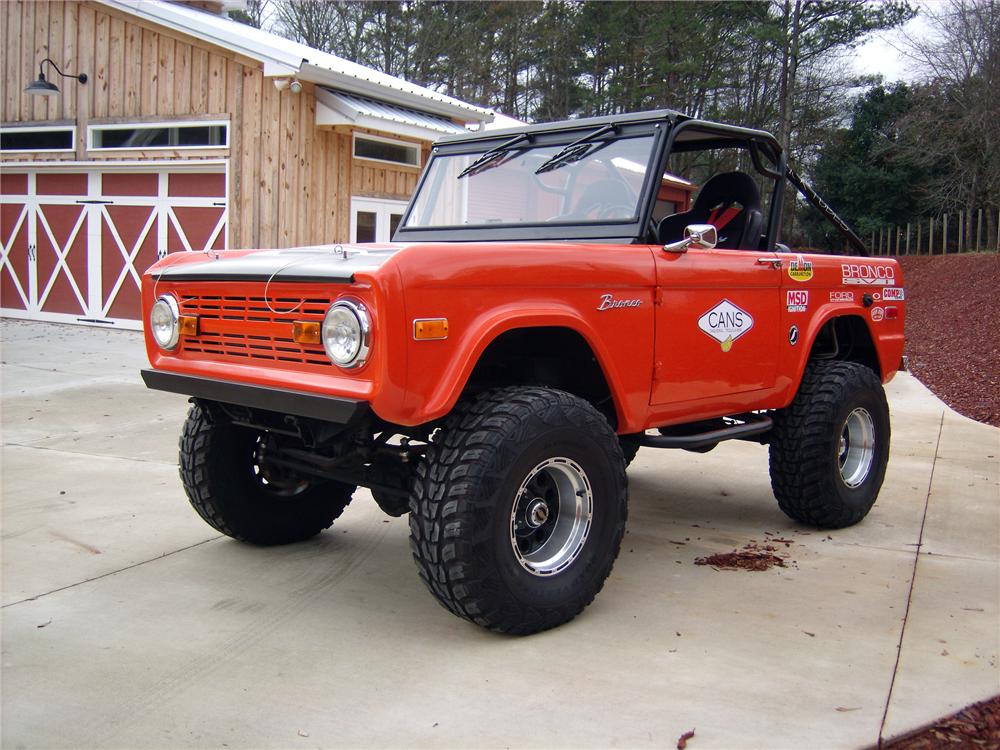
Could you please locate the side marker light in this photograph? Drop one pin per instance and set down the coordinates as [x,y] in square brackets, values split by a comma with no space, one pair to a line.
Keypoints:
[430,329]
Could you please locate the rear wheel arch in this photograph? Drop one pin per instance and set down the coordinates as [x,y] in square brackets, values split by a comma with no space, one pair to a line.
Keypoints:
[845,338]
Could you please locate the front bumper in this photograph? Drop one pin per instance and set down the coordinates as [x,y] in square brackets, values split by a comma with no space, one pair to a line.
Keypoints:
[282,401]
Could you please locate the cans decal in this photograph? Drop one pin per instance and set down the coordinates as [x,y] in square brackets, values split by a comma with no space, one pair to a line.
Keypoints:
[725,323]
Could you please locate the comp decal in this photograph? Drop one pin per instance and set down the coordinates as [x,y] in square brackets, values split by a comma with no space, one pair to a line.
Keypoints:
[800,269]
[796,300]
[895,294]
[725,323]
[868,274]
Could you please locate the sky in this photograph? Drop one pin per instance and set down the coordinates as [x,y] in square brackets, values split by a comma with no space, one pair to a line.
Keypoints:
[882,53]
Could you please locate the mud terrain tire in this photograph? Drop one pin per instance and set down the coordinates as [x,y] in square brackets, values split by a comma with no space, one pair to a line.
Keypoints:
[483,542]
[629,450]
[830,446]
[226,485]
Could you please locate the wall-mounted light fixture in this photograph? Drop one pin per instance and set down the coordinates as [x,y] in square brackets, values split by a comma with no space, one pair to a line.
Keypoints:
[292,84]
[41,87]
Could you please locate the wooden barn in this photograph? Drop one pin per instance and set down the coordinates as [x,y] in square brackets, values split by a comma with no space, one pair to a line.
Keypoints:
[191,132]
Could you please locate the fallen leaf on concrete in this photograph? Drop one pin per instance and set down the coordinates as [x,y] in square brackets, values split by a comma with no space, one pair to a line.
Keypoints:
[47,622]
[303,733]
[811,635]
[842,709]
[682,741]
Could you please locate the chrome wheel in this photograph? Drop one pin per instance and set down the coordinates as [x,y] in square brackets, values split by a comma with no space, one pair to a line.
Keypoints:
[857,447]
[551,517]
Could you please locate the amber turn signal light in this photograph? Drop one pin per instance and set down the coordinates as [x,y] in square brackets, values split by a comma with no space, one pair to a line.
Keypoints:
[188,325]
[430,329]
[306,332]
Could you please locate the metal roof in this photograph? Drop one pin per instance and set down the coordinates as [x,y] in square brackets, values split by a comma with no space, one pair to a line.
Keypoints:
[283,57]
[339,108]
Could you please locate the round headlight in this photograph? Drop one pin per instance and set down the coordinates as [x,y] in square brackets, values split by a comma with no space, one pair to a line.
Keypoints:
[347,333]
[163,322]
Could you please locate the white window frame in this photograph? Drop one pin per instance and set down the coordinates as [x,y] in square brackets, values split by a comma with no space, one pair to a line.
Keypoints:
[93,129]
[383,210]
[41,129]
[395,142]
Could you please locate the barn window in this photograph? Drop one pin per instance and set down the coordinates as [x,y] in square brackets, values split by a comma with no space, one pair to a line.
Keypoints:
[37,139]
[156,135]
[384,149]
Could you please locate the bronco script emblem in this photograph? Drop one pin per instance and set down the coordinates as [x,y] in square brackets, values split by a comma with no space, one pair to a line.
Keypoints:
[608,302]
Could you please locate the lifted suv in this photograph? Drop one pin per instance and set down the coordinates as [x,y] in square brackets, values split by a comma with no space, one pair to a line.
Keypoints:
[551,302]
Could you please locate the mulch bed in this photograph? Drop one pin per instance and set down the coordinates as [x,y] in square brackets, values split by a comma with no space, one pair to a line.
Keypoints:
[974,728]
[951,340]
[951,301]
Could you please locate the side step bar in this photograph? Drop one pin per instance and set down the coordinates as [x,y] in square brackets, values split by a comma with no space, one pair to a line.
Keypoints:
[752,424]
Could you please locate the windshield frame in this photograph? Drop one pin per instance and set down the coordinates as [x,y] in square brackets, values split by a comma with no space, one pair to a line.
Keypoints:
[628,230]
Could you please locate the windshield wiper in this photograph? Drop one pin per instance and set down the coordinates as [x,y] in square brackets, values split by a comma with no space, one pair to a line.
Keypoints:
[576,150]
[492,156]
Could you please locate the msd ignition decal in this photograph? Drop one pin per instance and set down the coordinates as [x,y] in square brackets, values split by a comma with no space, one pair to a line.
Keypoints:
[797,300]
[893,295]
[725,323]
[868,274]
[800,269]
[608,302]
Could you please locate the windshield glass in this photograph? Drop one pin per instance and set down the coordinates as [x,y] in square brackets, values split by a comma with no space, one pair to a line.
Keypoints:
[599,181]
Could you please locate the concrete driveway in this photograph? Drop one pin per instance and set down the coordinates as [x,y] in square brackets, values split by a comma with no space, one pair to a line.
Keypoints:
[127,622]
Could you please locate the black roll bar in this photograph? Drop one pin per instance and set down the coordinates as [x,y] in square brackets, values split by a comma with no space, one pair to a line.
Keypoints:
[821,205]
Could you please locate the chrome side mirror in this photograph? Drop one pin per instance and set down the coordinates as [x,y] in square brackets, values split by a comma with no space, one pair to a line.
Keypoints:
[701,236]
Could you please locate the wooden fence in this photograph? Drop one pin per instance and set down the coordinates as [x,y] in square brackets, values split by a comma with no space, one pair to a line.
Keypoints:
[972,231]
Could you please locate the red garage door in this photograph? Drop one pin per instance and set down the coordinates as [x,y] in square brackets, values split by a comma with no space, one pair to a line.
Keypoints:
[75,243]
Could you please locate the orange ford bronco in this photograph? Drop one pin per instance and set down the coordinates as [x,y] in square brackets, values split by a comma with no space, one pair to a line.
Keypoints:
[549,304]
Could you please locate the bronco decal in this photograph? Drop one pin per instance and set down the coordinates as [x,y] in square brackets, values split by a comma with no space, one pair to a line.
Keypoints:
[864,273]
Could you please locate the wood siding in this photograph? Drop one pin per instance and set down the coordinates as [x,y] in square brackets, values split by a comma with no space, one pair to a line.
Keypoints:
[290,182]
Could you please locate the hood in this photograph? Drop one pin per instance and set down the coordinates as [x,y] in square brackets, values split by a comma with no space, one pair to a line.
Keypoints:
[316,263]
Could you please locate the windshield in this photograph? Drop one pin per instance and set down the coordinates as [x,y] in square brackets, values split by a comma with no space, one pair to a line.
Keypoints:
[600,181]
